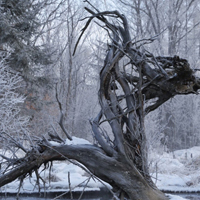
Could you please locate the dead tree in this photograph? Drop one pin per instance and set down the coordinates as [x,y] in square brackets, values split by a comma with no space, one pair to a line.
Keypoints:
[133,82]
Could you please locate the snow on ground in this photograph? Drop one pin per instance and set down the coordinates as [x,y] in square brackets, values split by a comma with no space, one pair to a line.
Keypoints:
[61,175]
[175,197]
[177,172]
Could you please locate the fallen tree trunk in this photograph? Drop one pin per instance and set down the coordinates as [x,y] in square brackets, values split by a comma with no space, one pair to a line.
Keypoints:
[110,169]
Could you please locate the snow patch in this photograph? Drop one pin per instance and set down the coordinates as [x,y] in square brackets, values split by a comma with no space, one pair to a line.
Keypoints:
[175,197]
[76,141]
[53,143]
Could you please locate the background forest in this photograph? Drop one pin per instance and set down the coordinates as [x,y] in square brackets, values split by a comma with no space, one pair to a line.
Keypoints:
[38,71]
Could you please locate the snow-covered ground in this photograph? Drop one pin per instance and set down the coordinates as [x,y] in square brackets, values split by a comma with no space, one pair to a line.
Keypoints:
[177,172]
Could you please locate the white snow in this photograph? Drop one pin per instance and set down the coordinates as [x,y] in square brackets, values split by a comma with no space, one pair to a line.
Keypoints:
[175,197]
[76,141]
[177,171]
[61,174]
[53,143]
[174,172]
[191,153]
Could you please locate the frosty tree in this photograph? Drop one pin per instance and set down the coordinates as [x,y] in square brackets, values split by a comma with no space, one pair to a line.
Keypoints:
[133,82]
[13,126]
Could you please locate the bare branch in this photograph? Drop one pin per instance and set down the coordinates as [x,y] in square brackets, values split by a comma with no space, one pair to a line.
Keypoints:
[61,117]
[98,135]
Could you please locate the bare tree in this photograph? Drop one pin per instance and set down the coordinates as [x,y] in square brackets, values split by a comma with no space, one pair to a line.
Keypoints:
[133,82]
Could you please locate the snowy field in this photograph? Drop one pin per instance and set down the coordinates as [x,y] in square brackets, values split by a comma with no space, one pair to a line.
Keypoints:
[176,172]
